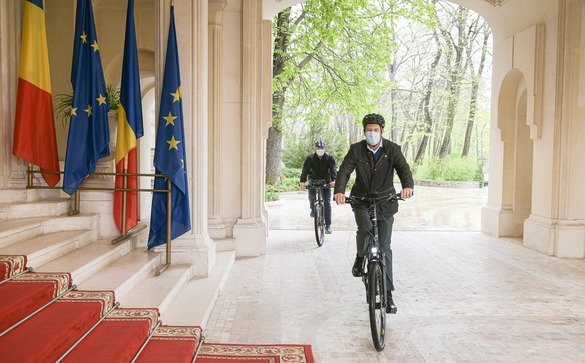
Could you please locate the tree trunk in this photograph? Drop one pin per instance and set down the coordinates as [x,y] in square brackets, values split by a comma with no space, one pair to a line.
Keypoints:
[455,71]
[273,155]
[428,120]
[475,80]
[274,141]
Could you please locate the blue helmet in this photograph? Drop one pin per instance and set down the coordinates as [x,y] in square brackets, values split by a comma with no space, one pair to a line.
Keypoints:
[320,143]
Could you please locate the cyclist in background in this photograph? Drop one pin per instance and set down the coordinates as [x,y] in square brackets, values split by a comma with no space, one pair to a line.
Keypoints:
[374,159]
[320,165]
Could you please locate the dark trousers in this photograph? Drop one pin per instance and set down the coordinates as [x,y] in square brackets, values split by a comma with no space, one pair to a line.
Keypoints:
[326,200]
[364,231]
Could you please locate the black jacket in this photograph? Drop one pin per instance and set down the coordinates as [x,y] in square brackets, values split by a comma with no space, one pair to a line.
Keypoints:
[374,176]
[315,168]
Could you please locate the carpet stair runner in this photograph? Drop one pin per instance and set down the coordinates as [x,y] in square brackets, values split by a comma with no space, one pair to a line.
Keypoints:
[44,318]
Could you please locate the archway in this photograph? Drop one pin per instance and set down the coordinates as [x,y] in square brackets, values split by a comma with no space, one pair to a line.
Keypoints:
[517,162]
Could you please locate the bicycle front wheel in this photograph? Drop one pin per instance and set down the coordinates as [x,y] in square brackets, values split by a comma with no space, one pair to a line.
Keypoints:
[319,223]
[376,304]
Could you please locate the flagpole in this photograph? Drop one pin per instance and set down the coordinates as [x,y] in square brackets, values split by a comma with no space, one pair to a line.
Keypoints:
[124,194]
[167,264]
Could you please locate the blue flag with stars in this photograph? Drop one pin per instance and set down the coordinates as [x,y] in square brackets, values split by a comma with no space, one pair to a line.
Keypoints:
[169,155]
[89,136]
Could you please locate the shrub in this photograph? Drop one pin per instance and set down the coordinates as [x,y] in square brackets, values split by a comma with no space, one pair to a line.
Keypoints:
[456,168]
[270,195]
[452,168]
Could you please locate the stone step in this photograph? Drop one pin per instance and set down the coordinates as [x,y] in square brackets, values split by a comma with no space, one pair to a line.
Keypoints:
[88,260]
[44,248]
[225,244]
[124,274]
[194,304]
[14,231]
[22,195]
[158,291]
[38,208]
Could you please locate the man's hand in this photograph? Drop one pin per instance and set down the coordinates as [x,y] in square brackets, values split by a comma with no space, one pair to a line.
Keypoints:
[339,198]
[302,185]
[332,184]
[406,193]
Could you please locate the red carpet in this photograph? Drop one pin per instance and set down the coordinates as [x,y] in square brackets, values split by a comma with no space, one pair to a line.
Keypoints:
[10,265]
[231,353]
[28,292]
[41,320]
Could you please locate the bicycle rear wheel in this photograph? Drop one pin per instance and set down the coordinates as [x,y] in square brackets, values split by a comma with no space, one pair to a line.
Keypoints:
[319,223]
[376,305]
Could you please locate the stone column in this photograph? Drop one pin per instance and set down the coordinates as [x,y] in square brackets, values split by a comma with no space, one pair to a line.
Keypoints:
[250,229]
[194,247]
[558,226]
[13,169]
[217,228]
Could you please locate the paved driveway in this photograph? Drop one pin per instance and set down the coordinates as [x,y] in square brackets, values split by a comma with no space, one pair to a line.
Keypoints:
[431,208]
[462,296]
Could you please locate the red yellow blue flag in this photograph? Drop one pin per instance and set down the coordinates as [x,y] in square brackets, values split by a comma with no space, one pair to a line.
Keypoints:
[129,128]
[34,126]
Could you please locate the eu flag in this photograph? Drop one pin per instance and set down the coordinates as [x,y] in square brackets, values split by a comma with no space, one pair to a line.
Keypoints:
[169,155]
[89,135]
[129,128]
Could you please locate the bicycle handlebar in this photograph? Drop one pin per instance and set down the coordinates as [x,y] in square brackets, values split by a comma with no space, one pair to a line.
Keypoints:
[315,183]
[373,200]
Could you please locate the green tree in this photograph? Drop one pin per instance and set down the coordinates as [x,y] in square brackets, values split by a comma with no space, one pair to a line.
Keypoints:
[329,61]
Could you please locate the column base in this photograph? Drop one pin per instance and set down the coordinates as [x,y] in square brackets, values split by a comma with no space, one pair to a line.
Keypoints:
[250,238]
[201,256]
[498,222]
[216,228]
[559,238]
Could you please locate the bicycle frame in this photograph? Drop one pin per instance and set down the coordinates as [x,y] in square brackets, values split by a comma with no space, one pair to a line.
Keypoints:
[319,210]
[374,268]
[374,251]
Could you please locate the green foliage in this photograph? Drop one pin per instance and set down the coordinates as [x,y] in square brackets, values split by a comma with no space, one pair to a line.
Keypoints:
[331,56]
[270,194]
[289,183]
[291,173]
[300,143]
[453,168]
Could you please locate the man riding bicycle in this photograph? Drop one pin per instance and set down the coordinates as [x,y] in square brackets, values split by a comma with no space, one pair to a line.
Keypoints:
[320,165]
[374,159]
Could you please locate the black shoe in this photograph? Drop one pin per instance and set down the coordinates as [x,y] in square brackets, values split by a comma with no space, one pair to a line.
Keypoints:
[328,229]
[358,267]
[312,214]
[390,307]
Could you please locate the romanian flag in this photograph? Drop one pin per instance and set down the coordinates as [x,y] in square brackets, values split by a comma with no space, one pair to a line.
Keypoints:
[89,135]
[34,127]
[129,127]
[170,155]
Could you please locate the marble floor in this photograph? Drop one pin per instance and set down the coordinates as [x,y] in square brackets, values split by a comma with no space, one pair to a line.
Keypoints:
[462,296]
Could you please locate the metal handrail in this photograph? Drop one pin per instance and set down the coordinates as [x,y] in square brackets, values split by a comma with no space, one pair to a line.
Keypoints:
[125,234]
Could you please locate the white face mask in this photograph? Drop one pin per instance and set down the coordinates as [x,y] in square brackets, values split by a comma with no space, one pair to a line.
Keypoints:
[320,152]
[373,138]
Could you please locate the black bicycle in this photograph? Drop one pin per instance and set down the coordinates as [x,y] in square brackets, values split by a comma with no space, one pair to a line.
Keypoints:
[319,210]
[374,267]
